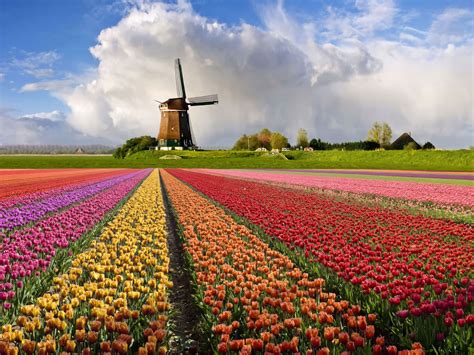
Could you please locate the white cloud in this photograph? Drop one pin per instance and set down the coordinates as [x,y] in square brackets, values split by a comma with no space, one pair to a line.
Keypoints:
[262,76]
[408,37]
[37,64]
[370,16]
[375,15]
[2,77]
[453,25]
[52,116]
[425,91]
[41,128]
[48,85]
[278,77]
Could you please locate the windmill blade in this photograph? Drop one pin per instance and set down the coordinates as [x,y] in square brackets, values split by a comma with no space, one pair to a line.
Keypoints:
[178,73]
[203,100]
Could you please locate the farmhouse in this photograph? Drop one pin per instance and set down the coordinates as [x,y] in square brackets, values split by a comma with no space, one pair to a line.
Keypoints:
[403,141]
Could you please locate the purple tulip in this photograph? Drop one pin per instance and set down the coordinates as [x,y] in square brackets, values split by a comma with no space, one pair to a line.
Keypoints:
[29,251]
[18,216]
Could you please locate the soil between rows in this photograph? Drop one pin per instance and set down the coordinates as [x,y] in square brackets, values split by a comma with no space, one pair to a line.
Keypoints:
[186,337]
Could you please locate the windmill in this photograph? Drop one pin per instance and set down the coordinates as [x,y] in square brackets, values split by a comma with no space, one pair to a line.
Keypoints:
[175,128]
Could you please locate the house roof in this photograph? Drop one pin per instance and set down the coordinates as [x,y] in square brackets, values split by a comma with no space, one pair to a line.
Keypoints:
[402,141]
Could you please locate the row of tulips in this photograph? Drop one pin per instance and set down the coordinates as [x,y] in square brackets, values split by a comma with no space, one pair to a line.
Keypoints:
[28,252]
[254,297]
[71,183]
[113,299]
[448,175]
[454,212]
[414,271]
[15,185]
[30,212]
[429,192]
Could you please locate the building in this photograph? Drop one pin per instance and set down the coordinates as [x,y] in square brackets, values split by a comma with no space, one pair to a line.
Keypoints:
[401,142]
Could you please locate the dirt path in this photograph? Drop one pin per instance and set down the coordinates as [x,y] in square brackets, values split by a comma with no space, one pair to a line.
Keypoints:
[185,315]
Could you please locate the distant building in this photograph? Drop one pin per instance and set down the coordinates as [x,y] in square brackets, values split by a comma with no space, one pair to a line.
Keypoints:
[428,145]
[308,149]
[402,141]
[79,151]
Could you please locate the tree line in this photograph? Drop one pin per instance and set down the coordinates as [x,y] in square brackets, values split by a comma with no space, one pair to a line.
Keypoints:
[275,140]
[263,139]
[379,136]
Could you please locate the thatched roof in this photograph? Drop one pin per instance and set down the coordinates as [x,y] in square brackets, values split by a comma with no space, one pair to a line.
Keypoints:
[402,141]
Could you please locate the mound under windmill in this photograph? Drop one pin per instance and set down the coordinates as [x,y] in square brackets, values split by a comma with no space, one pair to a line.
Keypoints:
[175,128]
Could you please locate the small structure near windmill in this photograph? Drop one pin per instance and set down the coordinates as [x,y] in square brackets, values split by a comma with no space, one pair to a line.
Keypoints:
[175,128]
[401,142]
[428,146]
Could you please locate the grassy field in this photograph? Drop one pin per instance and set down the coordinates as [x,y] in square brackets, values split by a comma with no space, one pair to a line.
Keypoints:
[455,160]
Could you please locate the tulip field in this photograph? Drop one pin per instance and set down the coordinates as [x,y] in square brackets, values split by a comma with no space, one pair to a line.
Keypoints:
[273,261]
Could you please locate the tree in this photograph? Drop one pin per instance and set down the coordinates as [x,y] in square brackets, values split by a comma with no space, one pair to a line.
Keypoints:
[375,133]
[253,142]
[134,145]
[118,154]
[241,143]
[302,138]
[278,140]
[386,135]
[264,137]
[380,133]
[144,143]
[317,144]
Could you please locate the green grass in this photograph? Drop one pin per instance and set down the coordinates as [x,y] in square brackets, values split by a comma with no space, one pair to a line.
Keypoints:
[454,160]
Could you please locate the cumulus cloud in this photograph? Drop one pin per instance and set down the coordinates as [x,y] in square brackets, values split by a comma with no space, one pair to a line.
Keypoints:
[278,76]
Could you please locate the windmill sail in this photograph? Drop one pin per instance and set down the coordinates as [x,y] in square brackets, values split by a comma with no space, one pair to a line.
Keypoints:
[178,72]
[203,100]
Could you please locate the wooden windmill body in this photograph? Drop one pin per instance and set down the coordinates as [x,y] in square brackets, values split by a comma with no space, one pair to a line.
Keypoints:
[175,128]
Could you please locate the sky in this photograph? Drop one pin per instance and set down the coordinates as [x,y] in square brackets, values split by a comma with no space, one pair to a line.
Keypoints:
[88,71]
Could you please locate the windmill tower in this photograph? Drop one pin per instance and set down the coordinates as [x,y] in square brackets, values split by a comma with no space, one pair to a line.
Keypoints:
[175,128]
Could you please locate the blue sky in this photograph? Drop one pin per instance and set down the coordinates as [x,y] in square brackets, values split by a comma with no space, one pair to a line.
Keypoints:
[45,47]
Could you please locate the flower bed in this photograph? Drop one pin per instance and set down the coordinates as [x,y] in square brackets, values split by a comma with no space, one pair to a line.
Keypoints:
[44,190]
[415,267]
[30,212]
[254,298]
[438,193]
[14,183]
[29,251]
[113,298]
